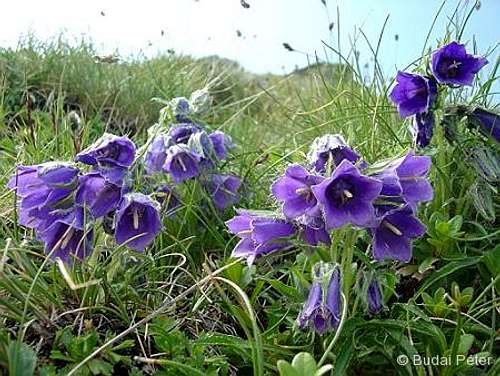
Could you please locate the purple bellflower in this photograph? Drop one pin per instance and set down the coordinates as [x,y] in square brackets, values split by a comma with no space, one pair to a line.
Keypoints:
[156,154]
[182,163]
[330,149]
[422,129]
[294,190]
[224,190]
[323,308]
[221,144]
[374,297]
[137,221]
[313,230]
[413,94]
[43,190]
[259,234]
[487,121]
[68,237]
[97,194]
[347,197]
[394,233]
[111,155]
[181,133]
[407,177]
[451,64]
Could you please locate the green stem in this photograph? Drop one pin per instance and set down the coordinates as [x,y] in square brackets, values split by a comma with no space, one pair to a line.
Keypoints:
[454,345]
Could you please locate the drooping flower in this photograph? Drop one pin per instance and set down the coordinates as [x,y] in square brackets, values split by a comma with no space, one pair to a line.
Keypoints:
[69,236]
[422,128]
[260,234]
[111,155]
[224,190]
[137,221]
[451,64]
[374,297]
[180,108]
[488,122]
[181,163]
[181,133]
[347,196]
[314,231]
[413,94]
[330,148]
[98,195]
[394,233]
[294,190]
[221,144]
[156,154]
[407,177]
[43,189]
[322,310]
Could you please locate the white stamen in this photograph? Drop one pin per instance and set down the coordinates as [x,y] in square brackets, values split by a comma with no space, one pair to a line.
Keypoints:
[392,228]
[183,166]
[67,237]
[347,194]
[135,216]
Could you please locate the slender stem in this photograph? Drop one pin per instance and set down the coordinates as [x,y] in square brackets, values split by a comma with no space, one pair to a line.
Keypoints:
[337,333]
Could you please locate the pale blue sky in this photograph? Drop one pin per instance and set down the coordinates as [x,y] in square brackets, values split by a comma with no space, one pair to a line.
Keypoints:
[208,27]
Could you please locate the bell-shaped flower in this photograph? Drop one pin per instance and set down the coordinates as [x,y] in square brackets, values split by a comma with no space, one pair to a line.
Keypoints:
[407,177]
[182,163]
[110,155]
[323,308]
[260,234]
[156,154]
[181,108]
[181,133]
[331,149]
[422,129]
[413,94]
[221,144]
[393,234]
[69,236]
[224,190]
[97,194]
[374,297]
[487,121]
[347,197]
[313,230]
[294,190]
[451,64]
[137,221]
[42,189]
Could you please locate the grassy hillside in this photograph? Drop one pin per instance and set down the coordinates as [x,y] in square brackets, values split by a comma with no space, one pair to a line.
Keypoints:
[171,310]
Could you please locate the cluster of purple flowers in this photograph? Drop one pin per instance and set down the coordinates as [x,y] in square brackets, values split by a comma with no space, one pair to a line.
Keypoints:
[335,189]
[415,94]
[62,203]
[185,150]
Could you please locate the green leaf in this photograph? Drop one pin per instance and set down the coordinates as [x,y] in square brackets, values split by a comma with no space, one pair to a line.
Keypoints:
[445,271]
[304,363]
[466,341]
[22,359]
[286,369]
